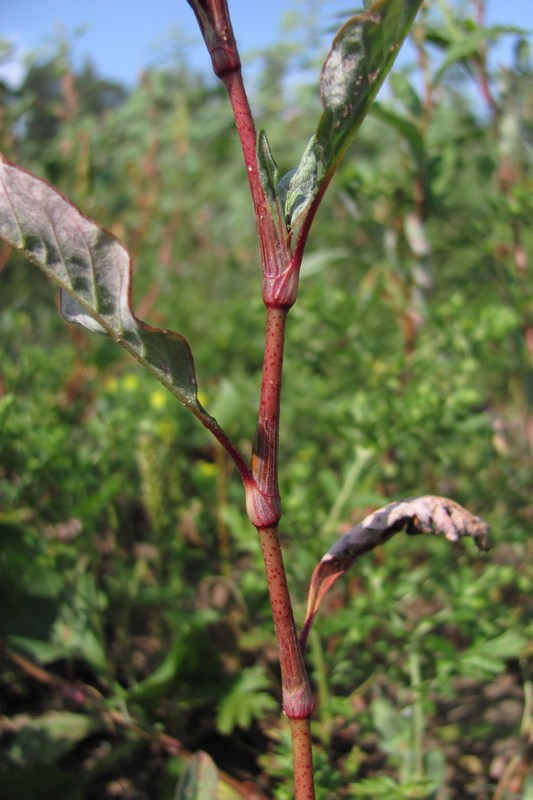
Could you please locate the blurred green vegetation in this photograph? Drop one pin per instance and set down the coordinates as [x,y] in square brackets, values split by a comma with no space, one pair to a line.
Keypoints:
[135,621]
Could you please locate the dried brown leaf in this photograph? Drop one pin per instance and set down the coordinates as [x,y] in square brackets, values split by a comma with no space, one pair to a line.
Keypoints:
[426,514]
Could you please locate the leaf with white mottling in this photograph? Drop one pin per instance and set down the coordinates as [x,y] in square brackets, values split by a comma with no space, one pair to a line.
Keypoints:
[427,514]
[93,270]
[362,54]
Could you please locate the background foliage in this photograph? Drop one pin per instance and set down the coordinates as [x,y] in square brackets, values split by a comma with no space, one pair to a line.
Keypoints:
[135,622]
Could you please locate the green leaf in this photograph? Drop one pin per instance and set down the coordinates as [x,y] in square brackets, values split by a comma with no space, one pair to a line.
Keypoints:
[199,780]
[489,657]
[191,646]
[298,188]
[247,700]
[47,738]
[403,89]
[268,175]
[470,44]
[407,129]
[268,169]
[93,270]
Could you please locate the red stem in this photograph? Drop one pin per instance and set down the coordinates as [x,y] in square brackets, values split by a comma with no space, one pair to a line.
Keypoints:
[280,280]
[263,505]
[302,756]
[264,509]
[297,696]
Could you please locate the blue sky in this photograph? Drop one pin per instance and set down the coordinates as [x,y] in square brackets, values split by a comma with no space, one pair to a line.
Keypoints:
[122,37]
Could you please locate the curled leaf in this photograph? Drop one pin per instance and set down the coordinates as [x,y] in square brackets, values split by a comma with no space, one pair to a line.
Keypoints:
[298,188]
[427,514]
[268,175]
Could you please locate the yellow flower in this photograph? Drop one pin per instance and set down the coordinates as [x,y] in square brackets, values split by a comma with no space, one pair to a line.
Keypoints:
[158,399]
[207,469]
[130,382]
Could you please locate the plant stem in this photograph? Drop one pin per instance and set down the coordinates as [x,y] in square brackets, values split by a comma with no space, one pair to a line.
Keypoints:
[280,277]
[297,696]
[264,510]
[266,499]
[302,756]
[280,282]
[264,504]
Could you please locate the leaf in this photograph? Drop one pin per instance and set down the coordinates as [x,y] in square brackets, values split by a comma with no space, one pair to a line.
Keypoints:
[427,514]
[93,270]
[268,175]
[268,169]
[192,647]
[362,54]
[403,90]
[297,188]
[248,699]
[407,129]
[489,657]
[47,738]
[470,44]
[199,780]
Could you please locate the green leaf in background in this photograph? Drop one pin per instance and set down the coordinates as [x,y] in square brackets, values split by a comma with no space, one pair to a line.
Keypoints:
[407,129]
[489,657]
[469,45]
[47,738]
[247,700]
[199,780]
[93,270]
[362,54]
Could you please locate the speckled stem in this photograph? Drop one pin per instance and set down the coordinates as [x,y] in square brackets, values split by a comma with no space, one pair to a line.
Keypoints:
[280,284]
[264,509]
[263,502]
[297,696]
[302,756]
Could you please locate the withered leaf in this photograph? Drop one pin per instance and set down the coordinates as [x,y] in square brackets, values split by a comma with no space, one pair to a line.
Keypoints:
[426,514]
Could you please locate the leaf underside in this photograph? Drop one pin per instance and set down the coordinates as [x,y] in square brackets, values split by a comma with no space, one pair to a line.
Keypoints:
[362,54]
[426,514]
[93,270]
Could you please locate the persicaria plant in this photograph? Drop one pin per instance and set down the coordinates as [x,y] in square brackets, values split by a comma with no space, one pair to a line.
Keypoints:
[93,271]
